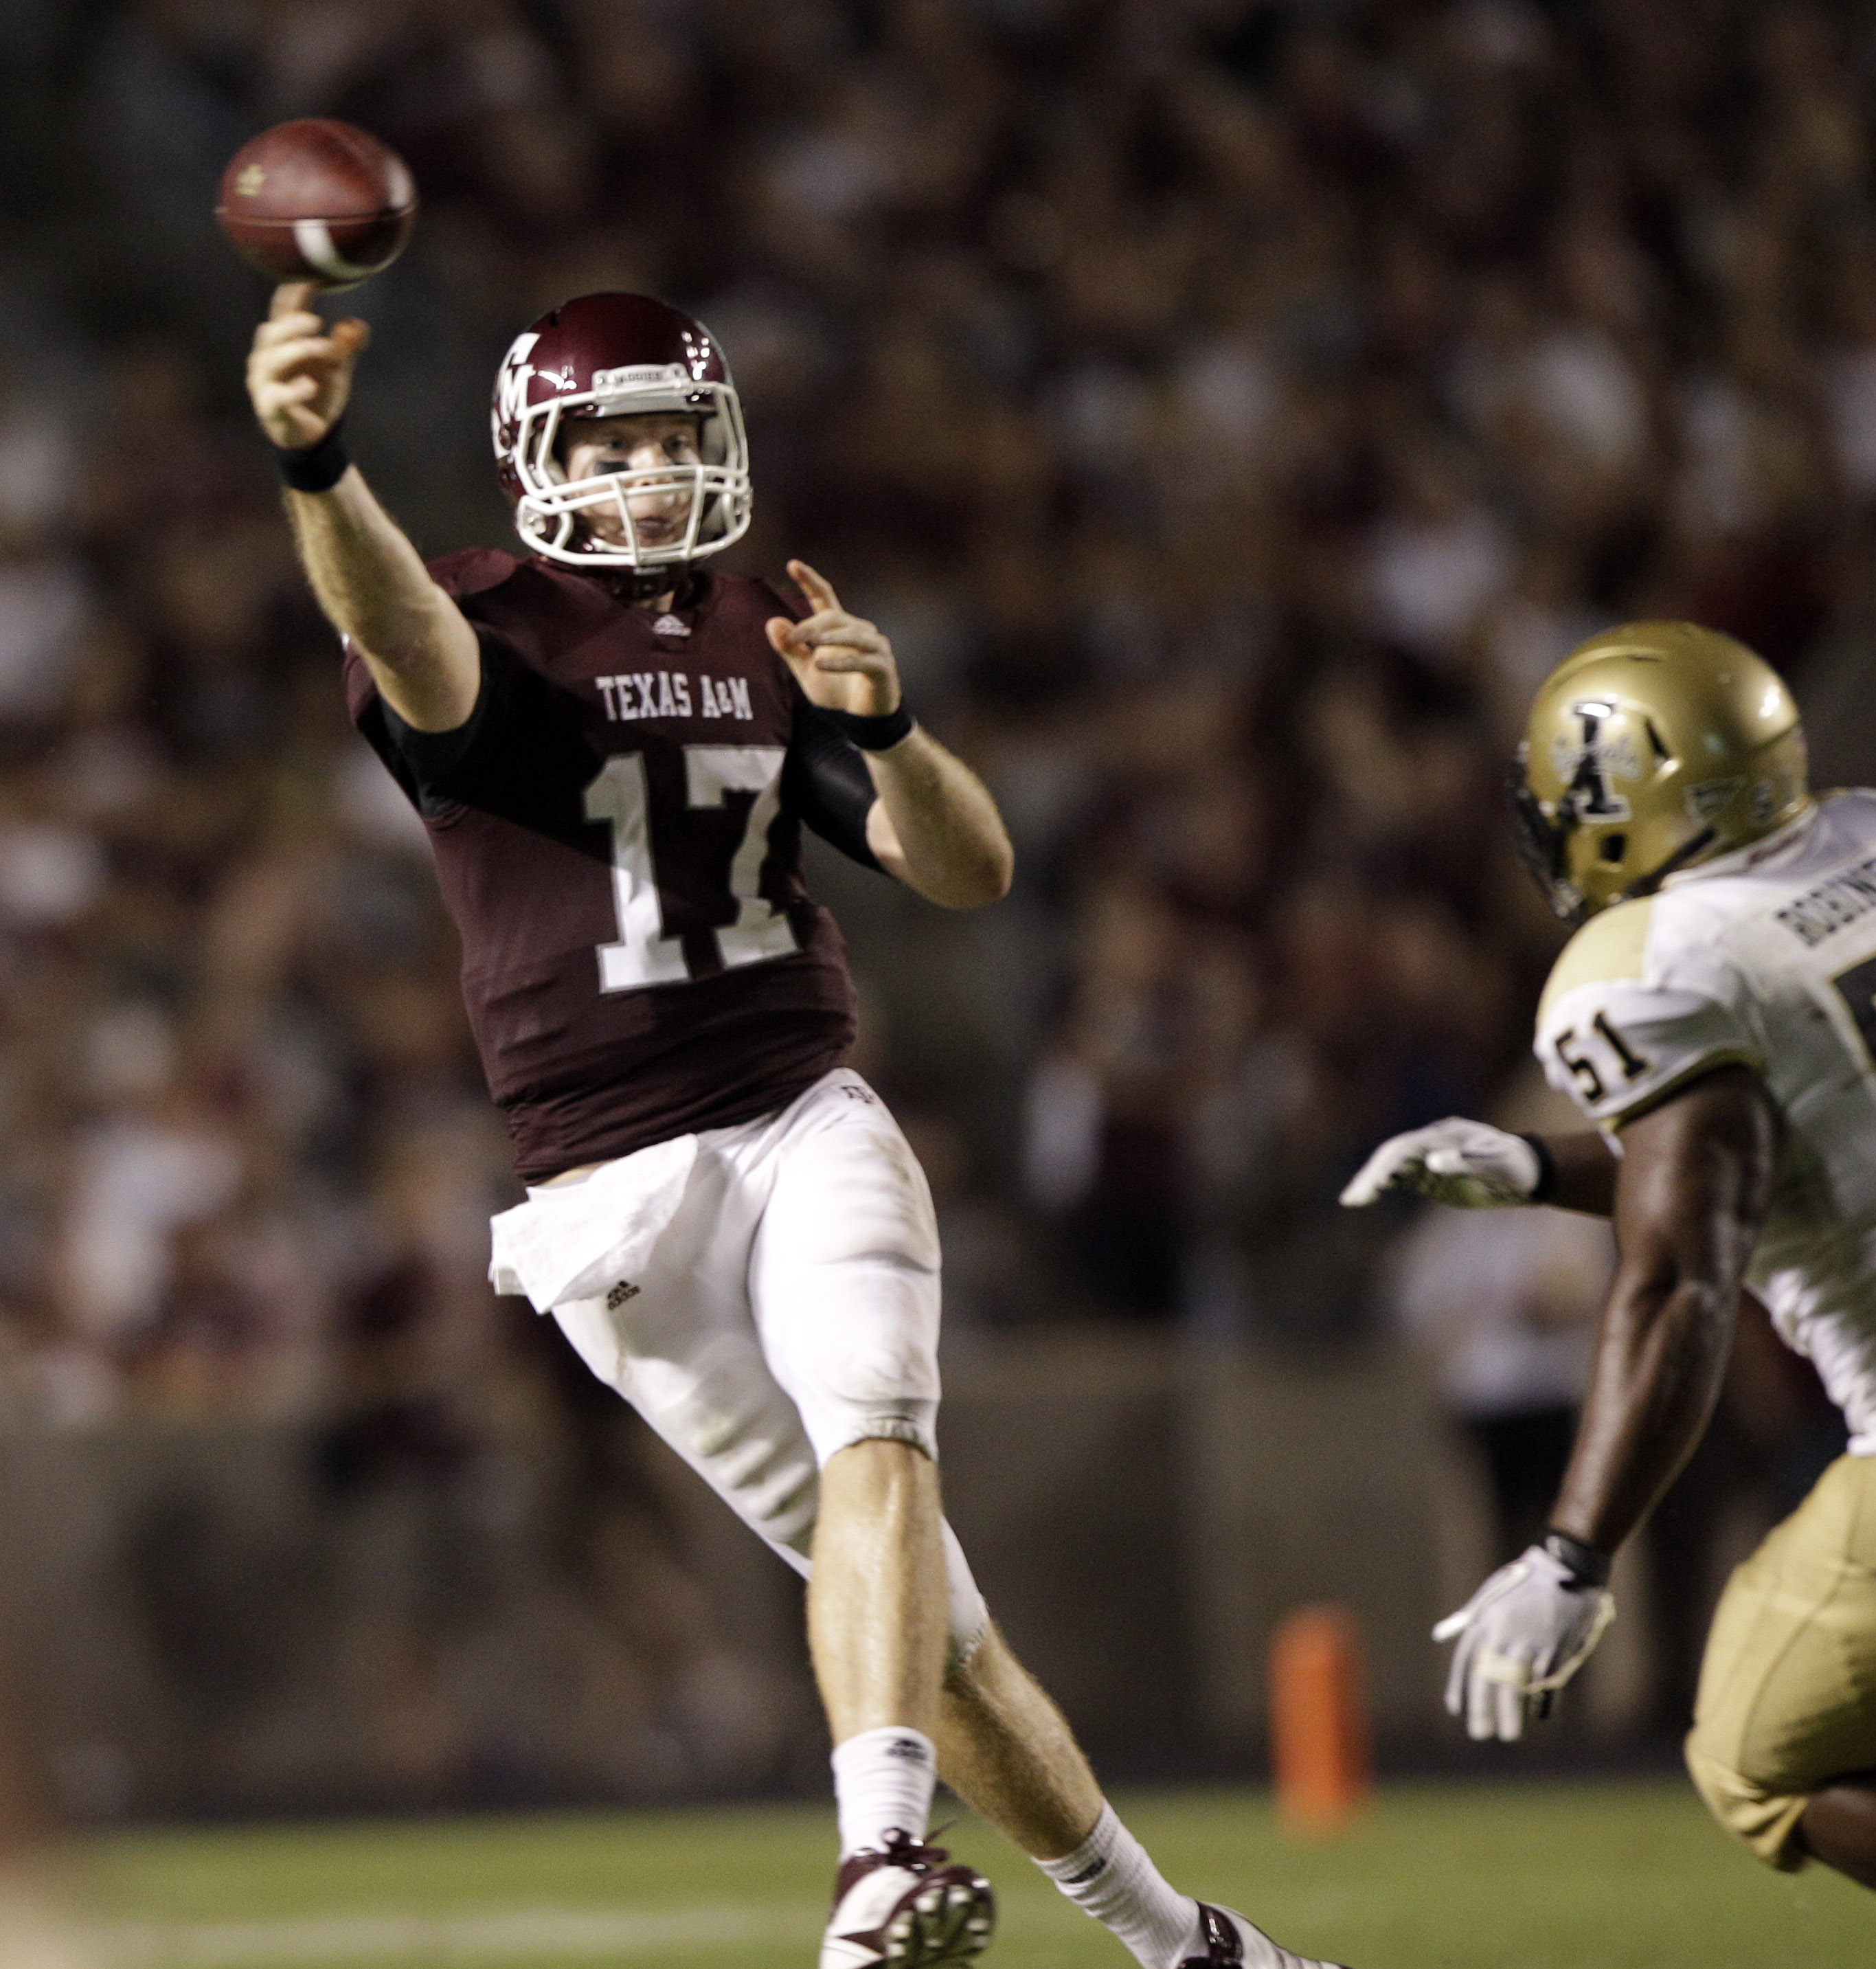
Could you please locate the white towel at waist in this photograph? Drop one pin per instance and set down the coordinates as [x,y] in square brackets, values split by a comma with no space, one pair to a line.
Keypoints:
[578,1239]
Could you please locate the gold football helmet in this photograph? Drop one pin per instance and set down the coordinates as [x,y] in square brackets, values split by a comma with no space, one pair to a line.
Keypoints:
[1652,747]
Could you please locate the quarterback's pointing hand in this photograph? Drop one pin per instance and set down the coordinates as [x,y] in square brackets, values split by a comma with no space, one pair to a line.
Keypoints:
[1520,1637]
[840,661]
[1454,1161]
[299,370]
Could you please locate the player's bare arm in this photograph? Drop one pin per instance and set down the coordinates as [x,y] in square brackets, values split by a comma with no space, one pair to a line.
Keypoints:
[365,574]
[935,825]
[1694,1184]
[1582,1173]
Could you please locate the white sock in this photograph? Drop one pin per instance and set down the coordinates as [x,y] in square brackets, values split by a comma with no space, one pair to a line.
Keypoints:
[1111,1876]
[883,1781]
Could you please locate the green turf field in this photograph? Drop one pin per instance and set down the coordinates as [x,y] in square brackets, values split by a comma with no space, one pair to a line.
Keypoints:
[1629,1875]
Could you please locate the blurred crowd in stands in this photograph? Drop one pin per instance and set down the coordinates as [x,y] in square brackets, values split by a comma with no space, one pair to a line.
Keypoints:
[1232,409]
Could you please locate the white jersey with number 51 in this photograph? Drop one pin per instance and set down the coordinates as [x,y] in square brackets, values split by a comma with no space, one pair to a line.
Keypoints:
[1766,957]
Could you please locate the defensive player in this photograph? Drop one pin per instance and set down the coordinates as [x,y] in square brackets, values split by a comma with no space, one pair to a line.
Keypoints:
[614,749]
[1716,1017]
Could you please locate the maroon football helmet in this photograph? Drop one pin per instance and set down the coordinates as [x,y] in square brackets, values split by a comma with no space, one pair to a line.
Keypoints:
[606,355]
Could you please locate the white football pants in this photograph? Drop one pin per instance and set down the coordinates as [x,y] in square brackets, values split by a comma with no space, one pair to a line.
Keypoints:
[789,1309]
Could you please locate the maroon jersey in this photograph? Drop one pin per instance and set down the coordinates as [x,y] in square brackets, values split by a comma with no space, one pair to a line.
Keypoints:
[617,834]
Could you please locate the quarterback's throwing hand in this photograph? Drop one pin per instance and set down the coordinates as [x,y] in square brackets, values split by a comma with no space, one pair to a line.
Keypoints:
[1469,1163]
[1520,1637]
[841,662]
[299,370]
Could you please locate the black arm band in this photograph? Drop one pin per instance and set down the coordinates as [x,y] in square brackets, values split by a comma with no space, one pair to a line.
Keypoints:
[872,735]
[1586,1566]
[316,468]
[1546,1186]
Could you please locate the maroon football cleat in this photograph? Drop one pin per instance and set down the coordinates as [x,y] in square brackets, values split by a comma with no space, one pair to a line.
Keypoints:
[1232,1942]
[905,1906]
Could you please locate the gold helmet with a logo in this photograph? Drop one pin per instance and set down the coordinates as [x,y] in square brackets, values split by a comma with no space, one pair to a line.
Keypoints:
[1652,747]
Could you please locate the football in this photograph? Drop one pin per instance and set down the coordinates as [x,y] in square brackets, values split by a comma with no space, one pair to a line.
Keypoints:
[317,200]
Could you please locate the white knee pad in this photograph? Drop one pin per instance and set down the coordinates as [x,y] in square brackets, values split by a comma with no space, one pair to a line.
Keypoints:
[844,1278]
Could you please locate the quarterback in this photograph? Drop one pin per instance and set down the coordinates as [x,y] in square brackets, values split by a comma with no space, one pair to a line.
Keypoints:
[1715,1016]
[614,747]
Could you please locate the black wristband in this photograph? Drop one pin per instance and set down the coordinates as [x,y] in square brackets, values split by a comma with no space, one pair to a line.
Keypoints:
[1586,1566]
[316,468]
[1546,1186]
[872,735]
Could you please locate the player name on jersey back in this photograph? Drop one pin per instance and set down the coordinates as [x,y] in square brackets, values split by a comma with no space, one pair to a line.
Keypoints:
[1833,905]
[1766,959]
[615,839]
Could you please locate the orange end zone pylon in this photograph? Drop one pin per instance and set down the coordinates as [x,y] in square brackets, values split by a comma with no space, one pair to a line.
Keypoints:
[1319,1732]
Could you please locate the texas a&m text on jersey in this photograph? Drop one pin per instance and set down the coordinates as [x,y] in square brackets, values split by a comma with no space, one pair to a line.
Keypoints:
[620,814]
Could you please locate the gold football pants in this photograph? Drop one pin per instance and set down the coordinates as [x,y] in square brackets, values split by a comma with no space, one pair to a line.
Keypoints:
[1787,1700]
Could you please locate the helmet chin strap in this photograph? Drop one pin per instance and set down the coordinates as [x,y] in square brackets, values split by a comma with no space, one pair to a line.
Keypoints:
[1686,852]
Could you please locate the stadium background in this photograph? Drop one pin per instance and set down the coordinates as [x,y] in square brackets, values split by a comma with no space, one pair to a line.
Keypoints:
[1231,410]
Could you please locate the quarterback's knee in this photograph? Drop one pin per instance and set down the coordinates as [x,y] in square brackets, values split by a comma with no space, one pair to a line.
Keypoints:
[835,1422]
[1763,1815]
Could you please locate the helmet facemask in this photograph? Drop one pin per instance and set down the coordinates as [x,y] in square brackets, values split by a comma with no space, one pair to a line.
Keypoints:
[1543,843]
[549,506]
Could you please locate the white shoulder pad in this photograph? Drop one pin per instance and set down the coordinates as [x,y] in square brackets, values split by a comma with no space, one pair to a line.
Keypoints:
[1617,1035]
[1619,1046]
[1612,944]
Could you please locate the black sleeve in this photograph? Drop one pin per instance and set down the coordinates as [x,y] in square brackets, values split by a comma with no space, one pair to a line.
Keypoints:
[825,783]
[440,771]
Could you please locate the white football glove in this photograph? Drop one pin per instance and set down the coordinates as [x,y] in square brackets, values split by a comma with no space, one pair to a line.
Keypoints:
[1520,1637]
[1467,1163]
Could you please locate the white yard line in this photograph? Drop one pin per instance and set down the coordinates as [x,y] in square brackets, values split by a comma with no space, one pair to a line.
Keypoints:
[495,1935]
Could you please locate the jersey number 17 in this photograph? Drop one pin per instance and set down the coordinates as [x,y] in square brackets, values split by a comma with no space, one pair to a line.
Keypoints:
[643,954]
